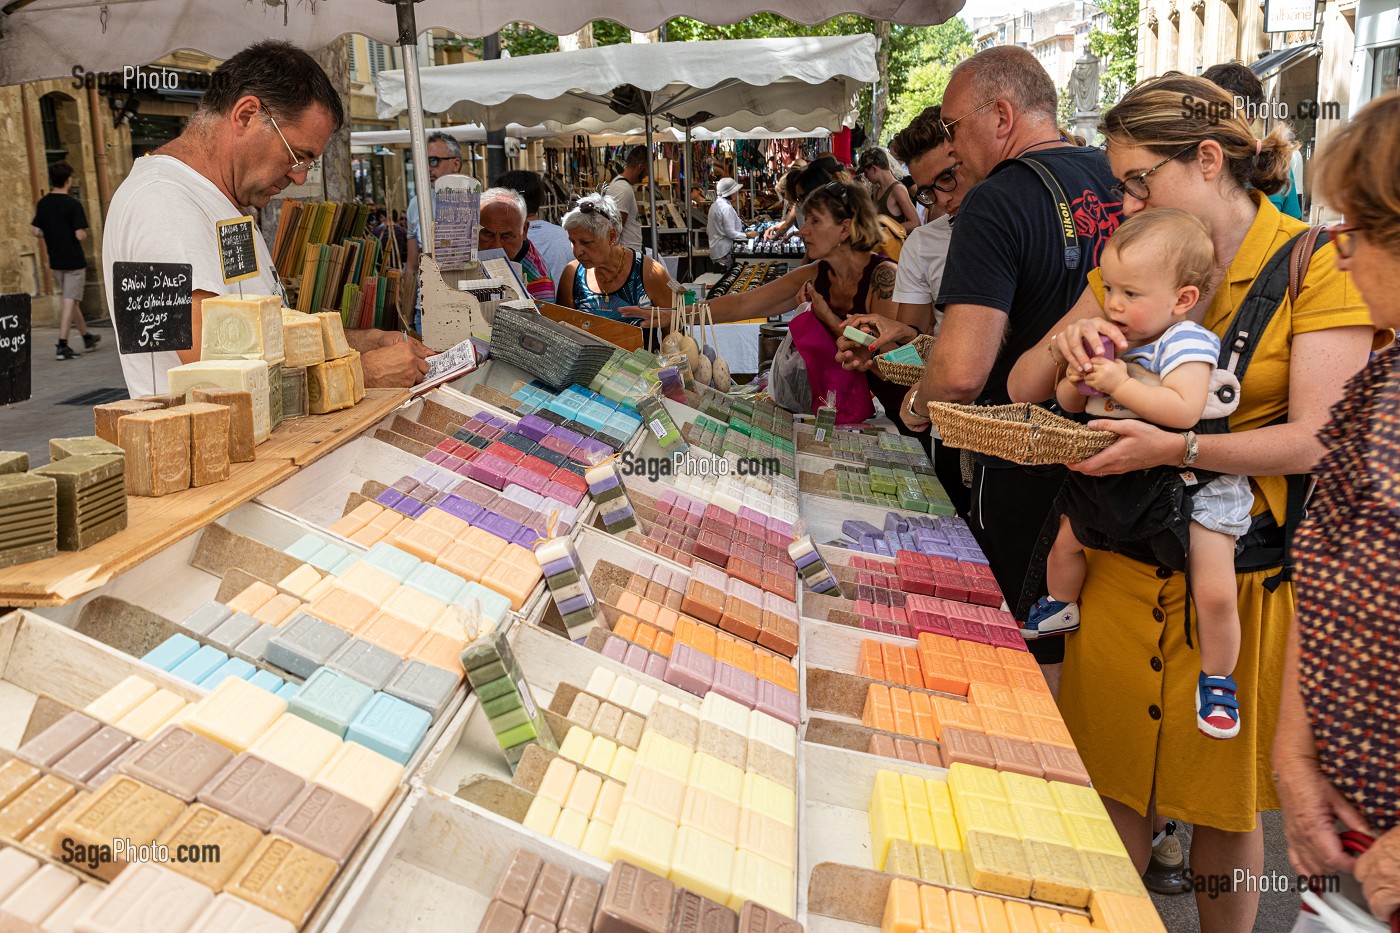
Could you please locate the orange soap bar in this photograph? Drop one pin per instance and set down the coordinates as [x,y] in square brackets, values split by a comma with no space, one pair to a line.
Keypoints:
[934,910]
[1048,731]
[445,522]
[278,609]
[877,699]
[342,609]
[439,650]
[664,644]
[745,659]
[976,651]
[869,663]
[645,636]
[948,712]
[1038,704]
[785,675]
[945,674]
[391,633]
[902,711]
[1020,917]
[1020,681]
[893,661]
[422,541]
[252,598]
[465,561]
[913,675]
[367,536]
[984,695]
[1005,723]
[962,906]
[941,644]
[484,541]
[627,603]
[992,914]
[626,627]
[902,908]
[981,671]
[1023,660]
[386,521]
[925,724]
[514,580]
[666,619]
[706,640]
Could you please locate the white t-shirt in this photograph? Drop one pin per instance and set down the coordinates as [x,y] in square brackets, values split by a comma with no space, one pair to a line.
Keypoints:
[621,191]
[165,211]
[921,261]
[553,243]
[723,227]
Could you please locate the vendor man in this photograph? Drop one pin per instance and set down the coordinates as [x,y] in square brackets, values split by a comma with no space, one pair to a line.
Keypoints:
[260,127]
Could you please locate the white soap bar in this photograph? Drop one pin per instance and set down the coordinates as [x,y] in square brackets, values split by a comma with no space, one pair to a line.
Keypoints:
[238,375]
[302,344]
[36,898]
[247,327]
[333,335]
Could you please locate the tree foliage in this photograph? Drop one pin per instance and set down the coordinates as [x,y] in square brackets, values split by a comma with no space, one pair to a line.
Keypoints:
[1116,47]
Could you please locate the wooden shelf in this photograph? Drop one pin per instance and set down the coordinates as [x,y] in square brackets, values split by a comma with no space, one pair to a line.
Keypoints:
[155,524]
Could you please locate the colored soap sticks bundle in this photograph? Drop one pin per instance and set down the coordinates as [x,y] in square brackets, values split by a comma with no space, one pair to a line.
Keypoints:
[505,697]
[810,564]
[605,486]
[659,421]
[568,584]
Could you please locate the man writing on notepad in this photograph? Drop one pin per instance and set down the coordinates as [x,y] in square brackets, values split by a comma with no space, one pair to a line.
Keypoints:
[260,127]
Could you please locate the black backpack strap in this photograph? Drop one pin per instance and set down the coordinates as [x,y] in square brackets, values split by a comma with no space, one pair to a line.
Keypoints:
[1264,299]
[1073,252]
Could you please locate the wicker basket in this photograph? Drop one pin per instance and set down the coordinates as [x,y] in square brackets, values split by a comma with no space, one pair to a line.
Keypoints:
[1022,433]
[906,374]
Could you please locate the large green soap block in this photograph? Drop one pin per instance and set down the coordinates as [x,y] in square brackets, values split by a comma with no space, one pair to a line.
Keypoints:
[14,461]
[61,447]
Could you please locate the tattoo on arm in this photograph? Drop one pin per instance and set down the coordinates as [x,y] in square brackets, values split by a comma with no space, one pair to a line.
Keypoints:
[883,281]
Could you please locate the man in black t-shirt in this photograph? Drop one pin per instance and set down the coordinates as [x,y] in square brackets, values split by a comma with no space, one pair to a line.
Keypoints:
[60,221]
[1015,266]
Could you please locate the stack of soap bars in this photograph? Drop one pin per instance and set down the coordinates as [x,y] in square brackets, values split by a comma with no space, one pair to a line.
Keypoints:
[605,486]
[28,512]
[91,478]
[568,584]
[813,568]
[505,697]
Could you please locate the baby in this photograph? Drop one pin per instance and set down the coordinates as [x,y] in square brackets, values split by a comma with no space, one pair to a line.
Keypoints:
[1154,268]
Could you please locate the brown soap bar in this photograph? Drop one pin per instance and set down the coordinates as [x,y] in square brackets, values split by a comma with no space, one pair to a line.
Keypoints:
[880,744]
[1016,756]
[501,918]
[535,924]
[177,761]
[40,800]
[906,750]
[325,822]
[675,723]
[723,744]
[551,889]
[777,766]
[1062,764]
[201,826]
[629,731]
[13,461]
[253,790]
[779,634]
[42,837]
[635,901]
[164,401]
[209,442]
[95,752]
[58,739]
[518,880]
[15,778]
[607,720]
[60,447]
[157,445]
[973,748]
[283,877]
[755,918]
[931,753]
[240,425]
[583,709]
[104,417]
[122,808]
[693,913]
[580,905]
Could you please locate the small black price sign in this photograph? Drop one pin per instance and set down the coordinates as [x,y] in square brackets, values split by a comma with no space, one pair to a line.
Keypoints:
[237,253]
[14,348]
[154,304]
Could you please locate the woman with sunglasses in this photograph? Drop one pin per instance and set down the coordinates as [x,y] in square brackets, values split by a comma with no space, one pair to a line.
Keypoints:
[605,276]
[1335,751]
[1129,688]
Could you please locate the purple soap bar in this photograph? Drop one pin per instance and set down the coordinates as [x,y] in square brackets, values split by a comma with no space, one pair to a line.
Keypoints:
[606,483]
[526,537]
[777,702]
[575,603]
[435,456]
[565,494]
[572,438]
[656,666]
[405,484]
[739,686]
[615,648]
[559,565]
[593,450]
[534,427]
[499,525]
[389,498]
[636,657]
[691,670]
[454,504]
[489,469]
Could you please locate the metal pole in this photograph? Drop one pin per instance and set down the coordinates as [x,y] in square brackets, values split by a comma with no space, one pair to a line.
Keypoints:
[495,135]
[651,196]
[422,188]
[685,200]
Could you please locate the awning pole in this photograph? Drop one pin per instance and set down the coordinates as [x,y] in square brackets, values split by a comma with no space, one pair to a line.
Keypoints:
[408,46]
[689,183]
[651,195]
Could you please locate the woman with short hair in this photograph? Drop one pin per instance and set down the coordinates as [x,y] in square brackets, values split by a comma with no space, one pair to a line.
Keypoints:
[606,276]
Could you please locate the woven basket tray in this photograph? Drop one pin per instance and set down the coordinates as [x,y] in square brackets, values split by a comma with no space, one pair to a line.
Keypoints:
[1022,433]
[906,374]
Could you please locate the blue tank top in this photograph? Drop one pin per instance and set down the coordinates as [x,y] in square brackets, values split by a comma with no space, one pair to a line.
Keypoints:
[632,294]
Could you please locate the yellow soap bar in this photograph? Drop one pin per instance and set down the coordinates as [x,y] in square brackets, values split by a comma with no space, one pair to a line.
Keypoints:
[921,831]
[718,777]
[764,882]
[887,822]
[702,863]
[361,774]
[940,799]
[596,837]
[33,805]
[914,794]
[654,791]
[151,714]
[621,767]
[718,816]
[120,700]
[1122,912]
[1022,788]
[301,580]
[965,779]
[901,859]
[584,792]
[235,714]
[600,755]
[201,826]
[575,744]
[976,813]
[903,912]
[301,747]
[122,808]
[251,599]
[570,828]
[609,800]
[15,778]
[1094,835]
[1072,798]
[542,815]
[557,781]
[955,861]
[666,755]
[888,787]
[946,833]
[642,838]
[1058,875]
[769,797]
[934,913]
[767,837]
[1112,873]
[931,866]
[414,606]
[1041,825]
[998,864]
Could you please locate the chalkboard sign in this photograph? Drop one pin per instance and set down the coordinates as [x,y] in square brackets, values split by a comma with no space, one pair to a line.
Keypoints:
[236,250]
[154,306]
[14,348]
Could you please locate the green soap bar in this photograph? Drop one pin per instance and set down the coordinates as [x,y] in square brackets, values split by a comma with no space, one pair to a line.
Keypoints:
[582,616]
[64,447]
[560,580]
[521,733]
[486,673]
[76,474]
[32,552]
[15,461]
[509,720]
[493,689]
[21,488]
[501,705]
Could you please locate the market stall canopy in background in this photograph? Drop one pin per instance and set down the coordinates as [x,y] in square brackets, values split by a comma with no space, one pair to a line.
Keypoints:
[46,38]
[740,84]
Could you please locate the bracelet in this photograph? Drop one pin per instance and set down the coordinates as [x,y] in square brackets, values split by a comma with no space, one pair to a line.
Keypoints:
[910,408]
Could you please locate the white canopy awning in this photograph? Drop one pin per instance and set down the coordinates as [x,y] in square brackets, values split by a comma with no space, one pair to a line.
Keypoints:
[670,134]
[739,84]
[465,133]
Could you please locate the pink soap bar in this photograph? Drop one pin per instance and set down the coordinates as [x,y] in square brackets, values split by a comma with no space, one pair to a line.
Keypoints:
[656,666]
[691,670]
[615,648]
[1005,638]
[636,658]
[777,702]
[739,686]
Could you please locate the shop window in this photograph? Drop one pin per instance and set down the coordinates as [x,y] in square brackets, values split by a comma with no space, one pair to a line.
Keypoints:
[48,117]
[1386,71]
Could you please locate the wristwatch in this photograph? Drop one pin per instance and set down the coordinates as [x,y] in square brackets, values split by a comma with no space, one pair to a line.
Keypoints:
[913,413]
[1193,449]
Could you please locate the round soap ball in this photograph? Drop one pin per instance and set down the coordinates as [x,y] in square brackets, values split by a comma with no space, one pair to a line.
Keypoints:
[671,343]
[704,371]
[691,349]
[720,371]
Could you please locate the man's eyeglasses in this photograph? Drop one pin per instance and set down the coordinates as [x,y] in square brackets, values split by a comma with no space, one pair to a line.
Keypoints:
[948,124]
[298,165]
[1136,185]
[1343,237]
[435,161]
[946,181]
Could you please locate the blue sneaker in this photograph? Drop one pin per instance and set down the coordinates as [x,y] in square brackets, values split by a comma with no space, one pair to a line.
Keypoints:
[1218,709]
[1051,617]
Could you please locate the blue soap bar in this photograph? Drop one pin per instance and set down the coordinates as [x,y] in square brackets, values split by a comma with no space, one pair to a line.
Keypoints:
[442,585]
[233,667]
[171,652]
[204,619]
[267,680]
[328,557]
[288,690]
[330,699]
[390,727]
[397,564]
[306,547]
[199,665]
[485,602]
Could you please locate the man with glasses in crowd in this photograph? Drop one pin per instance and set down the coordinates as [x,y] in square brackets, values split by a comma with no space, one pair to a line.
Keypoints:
[260,127]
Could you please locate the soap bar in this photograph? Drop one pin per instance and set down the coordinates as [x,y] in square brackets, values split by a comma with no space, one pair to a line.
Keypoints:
[177,761]
[62,737]
[62,447]
[201,826]
[361,774]
[367,663]
[241,328]
[253,790]
[303,644]
[38,896]
[757,879]
[28,518]
[329,387]
[295,401]
[228,914]
[240,375]
[325,822]
[755,918]
[209,442]
[147,897]
[302,344]
[635,901]
[105,417]
[295,744]
[91,498]
[333,335]
[357,376]
[96,752]
[425,686]
[122,808]
[241,430]
[234,714]
[389,726]
[39,801]
[274,395]
[157,445]
[518,879]
[642,839]
[284,878]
